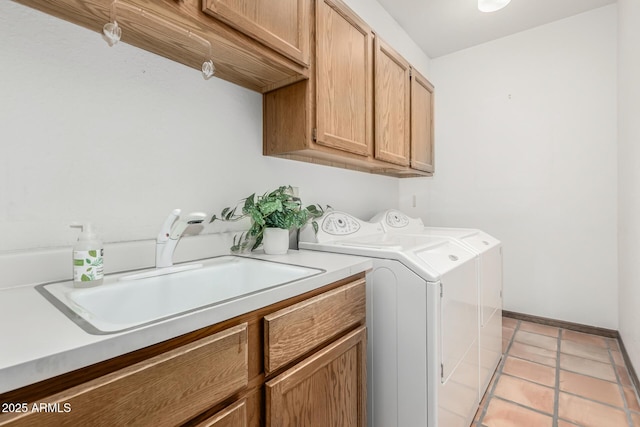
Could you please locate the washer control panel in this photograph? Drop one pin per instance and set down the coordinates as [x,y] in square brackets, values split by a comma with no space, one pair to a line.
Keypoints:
[339,224]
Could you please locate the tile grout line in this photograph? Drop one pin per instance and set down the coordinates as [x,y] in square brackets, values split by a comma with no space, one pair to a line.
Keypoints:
[627,412]
[590,400]
[500,373]
[497,375]
[556,394]
[527,380]
[556,416]
[617,382]
[490,394]
[528,408]
[571,355]
[590,376]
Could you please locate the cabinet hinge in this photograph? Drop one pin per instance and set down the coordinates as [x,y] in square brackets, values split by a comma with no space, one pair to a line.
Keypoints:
[441,291]
[441,371]
[314,134]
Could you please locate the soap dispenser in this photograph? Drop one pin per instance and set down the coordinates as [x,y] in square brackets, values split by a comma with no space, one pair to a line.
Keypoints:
[87,258]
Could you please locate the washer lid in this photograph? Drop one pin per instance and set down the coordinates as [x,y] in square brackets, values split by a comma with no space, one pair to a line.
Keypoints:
[396,222]
[476,239]
[445,256]
[404,242]
[429,256]
[481,241]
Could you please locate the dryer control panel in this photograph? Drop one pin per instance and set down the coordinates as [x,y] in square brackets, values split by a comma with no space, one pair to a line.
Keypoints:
[339,224]
[396,221]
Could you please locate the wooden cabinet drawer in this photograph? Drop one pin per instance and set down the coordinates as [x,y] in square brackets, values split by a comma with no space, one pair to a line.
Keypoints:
[168,389]
[232,416]
[293,331]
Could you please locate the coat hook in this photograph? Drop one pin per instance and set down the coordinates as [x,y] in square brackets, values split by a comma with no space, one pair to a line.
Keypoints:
[111,31]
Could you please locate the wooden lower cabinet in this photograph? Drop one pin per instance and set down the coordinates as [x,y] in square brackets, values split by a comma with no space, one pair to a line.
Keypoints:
[216,376]
[233,416]
[327,389]
[297,330]
[165,390]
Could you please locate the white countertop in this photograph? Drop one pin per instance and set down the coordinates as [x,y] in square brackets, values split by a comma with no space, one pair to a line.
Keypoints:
[39,342]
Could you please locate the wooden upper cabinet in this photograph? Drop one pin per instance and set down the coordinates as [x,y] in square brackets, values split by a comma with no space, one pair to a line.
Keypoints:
[282,25]
[422,157]
[260,45]
[343,78]
[329,119]
[392,105]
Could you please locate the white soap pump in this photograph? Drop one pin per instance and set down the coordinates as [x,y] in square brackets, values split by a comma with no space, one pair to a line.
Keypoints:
[87,258]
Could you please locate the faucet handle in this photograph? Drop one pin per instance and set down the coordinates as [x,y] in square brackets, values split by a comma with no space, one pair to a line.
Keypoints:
[165,231]
[195,217]
[183,223]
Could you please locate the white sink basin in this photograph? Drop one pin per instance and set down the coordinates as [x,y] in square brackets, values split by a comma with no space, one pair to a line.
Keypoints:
[161,271]
[119,305]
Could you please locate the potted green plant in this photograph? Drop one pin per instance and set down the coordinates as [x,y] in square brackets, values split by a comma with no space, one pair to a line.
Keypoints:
[274,212]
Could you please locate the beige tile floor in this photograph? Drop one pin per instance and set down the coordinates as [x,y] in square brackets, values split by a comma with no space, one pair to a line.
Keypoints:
[553,377]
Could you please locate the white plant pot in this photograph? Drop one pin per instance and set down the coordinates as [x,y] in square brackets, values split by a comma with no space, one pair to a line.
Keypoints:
[275,241]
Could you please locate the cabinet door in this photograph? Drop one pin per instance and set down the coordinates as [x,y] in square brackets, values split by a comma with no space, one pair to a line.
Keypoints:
[421,123]
[282,25]
[232,416]
[326,389]
[392,108]
[343,95]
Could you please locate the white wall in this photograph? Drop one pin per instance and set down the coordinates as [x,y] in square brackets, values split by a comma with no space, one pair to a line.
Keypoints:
[629,175]
[526,150]
[120,137]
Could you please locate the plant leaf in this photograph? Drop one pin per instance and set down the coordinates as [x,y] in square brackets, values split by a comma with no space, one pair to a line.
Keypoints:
[277,208]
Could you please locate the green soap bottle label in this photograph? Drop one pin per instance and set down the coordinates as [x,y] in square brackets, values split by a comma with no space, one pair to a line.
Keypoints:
[87,265]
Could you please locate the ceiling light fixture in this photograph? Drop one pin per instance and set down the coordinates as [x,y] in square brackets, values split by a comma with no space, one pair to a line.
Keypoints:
[491,5]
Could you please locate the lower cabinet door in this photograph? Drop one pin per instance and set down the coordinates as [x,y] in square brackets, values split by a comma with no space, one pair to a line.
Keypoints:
[327,389]
[232,416]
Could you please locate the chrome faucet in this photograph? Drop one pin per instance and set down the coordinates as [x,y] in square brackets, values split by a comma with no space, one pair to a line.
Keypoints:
[170,234]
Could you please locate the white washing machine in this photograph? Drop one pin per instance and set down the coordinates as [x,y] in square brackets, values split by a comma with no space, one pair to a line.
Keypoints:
[422,321]
[489,250]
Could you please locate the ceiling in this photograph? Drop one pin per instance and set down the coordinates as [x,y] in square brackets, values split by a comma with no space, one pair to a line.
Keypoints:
[440,27]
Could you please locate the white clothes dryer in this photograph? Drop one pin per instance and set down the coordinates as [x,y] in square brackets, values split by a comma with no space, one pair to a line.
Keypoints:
[422,322]
[489,250]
